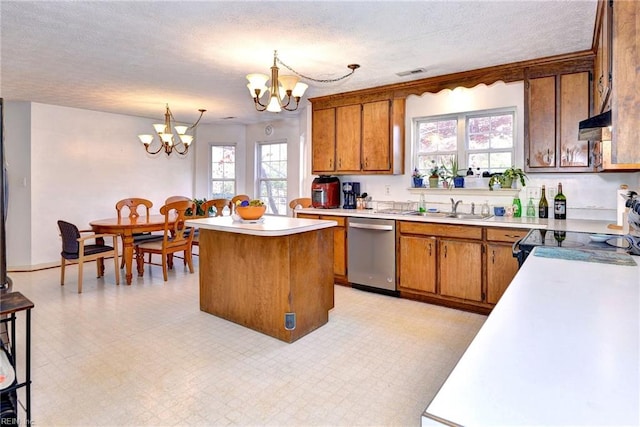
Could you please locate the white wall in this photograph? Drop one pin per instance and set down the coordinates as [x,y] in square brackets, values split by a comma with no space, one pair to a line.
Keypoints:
[589,195]
[81,163]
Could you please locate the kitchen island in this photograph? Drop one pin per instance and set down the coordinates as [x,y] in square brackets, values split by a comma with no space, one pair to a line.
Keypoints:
[274,276]
[560,348]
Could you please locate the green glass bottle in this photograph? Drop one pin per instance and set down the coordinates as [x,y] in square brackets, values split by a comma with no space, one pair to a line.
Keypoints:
[560,204]
[517,207]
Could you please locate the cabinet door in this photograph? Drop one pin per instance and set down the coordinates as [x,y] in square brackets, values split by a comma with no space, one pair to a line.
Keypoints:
[376,142]
[542,122]
[460,269]
[323,135]
[339,251]
[418,263]
[501,268]
[574,107]
[348,137]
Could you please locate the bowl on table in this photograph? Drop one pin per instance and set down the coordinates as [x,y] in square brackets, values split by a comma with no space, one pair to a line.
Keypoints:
[250,213]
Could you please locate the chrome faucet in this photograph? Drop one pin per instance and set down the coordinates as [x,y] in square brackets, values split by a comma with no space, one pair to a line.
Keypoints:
[454,205]
[473,208]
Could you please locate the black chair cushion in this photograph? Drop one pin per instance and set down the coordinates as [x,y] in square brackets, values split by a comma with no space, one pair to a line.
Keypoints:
[88,250]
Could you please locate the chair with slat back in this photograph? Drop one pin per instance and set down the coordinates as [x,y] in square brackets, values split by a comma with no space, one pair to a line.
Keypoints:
[136,207]
[75,249]
[215,206]
[177,237]
[303,202]
[172,199]
[240,197]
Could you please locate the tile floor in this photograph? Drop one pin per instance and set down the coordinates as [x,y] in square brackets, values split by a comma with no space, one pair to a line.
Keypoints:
[146,355]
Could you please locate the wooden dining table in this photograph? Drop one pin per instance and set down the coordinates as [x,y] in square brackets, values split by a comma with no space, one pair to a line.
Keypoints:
[126,228]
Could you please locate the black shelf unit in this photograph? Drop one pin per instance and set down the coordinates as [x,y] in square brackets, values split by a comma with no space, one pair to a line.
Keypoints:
[10,304]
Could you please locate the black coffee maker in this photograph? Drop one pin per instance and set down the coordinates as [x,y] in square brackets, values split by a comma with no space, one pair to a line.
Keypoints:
[351,191]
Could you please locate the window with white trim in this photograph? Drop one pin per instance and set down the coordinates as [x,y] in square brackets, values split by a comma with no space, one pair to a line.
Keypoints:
[223,171]
[272,176]
[480,139]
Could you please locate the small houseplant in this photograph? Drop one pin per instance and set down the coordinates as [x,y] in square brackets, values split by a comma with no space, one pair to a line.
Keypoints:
[417,178]
[506,178]
[450,175]
[434,175]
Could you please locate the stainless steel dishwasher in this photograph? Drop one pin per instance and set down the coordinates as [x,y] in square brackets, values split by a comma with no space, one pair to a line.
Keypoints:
[372,254]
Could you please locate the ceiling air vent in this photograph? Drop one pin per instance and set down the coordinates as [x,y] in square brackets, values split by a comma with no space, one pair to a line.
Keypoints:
[412,72]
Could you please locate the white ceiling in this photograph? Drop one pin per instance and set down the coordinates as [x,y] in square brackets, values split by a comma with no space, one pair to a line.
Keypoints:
[132,57]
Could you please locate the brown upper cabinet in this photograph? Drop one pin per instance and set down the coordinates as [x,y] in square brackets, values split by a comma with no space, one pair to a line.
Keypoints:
[618,38]
[603,39]
[361,137]
[554,106]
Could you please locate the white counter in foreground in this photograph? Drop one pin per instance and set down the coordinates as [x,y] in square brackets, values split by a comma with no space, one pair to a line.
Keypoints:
[270,225]
[560,348]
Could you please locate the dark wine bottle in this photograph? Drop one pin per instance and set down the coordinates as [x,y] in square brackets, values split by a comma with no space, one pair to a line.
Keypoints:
[560,204]
[543,206]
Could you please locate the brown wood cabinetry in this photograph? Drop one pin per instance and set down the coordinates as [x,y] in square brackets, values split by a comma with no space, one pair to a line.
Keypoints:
[339,244]
[417,263]
[461,266]
[618,150]
[602,65]
[501,265]
[363,136]
[554,106]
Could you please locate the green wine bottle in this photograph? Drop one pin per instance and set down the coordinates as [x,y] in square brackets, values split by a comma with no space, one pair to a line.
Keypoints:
[560,204]
[543,206]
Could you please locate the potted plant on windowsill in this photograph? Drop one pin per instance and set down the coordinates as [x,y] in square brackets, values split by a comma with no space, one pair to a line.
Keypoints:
[450,175]
[417,178]
[434,175]
[506,178]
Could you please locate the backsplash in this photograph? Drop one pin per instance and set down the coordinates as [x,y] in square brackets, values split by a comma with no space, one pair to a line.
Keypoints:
[589,195]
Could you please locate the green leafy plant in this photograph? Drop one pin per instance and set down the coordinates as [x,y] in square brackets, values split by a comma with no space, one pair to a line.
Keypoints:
[434,171]
[507,177]
[199,211]
[416,174]
[450,170]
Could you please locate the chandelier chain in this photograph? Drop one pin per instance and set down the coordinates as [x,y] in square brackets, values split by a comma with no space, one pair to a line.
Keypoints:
[311,78]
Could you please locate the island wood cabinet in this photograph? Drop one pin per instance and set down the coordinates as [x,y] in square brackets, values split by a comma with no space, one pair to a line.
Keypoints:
[460,266]
[339,244]
[618,150]
[501,265]
[362,137]
[554,106]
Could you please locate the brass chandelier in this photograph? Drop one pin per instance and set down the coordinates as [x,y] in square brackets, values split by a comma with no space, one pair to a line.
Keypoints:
[283,89]
[171,137]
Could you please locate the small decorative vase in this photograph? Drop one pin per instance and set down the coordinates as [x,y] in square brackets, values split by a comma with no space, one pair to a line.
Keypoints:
[417,182]
[458,182]
[433,182]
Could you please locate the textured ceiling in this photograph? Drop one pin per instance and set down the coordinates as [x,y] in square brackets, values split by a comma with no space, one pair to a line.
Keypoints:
[132,57]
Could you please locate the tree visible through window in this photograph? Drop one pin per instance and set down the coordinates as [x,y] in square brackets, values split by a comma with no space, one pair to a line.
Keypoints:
[223,171]
[480,139]
[272,176]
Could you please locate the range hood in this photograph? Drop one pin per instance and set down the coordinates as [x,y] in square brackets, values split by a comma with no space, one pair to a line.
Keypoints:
[592,128]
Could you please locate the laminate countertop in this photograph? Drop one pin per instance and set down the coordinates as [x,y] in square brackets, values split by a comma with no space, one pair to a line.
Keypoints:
[268,226]
[579,225]
[560,348]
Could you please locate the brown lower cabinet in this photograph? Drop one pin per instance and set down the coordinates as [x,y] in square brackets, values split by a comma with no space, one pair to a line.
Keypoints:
[339,244]
[466,267]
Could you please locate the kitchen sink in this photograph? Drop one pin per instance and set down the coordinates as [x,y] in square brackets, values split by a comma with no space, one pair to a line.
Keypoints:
[449,215]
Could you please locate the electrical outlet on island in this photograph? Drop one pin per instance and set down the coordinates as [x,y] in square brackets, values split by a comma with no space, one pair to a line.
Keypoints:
[387,189]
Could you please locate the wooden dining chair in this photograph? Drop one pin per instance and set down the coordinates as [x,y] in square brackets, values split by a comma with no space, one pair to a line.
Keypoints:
[76,250]
[177,237]
[215,206]
[172,199]
[240,197]
[131,205]
[303,202]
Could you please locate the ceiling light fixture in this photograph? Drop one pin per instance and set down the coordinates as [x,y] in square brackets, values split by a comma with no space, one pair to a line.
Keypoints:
[282,89]
[168,140]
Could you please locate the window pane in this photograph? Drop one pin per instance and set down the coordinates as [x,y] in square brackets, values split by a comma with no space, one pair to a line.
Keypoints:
[272,188]
[479,160]
[500,161]
[437,136]
[223,171]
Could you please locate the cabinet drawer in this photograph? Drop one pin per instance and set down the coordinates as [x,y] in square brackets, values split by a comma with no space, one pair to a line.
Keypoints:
[340,219]
[307,216]
[443,230]
[505,234]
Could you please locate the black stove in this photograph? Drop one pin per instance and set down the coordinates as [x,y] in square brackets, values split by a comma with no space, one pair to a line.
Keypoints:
[568,239]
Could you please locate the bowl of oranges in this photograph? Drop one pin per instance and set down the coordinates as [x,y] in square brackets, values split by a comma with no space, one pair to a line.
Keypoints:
[250,210]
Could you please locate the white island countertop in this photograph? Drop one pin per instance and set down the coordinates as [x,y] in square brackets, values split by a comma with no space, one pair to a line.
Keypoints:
[268,226]
[560,348]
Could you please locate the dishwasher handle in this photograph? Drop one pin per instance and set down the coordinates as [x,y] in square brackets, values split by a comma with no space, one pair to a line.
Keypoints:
[370,226]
